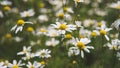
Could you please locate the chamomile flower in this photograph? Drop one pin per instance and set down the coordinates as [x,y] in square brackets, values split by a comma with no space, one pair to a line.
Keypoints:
[44,53]
[83,33]
[73,51]
[42,30]
[28,56]
[25,50]
[28,13]
[68,9]
[62,27]
[104,30]
[52,33]
[116,24]
[95,33]
[42,18]
[78,24]
[52,42]
[115,5]
[81,44]
[2,65]
[15,64]
[19,25]
[89,23]
[34,65]
[114,44]
[77,1]
[5,2]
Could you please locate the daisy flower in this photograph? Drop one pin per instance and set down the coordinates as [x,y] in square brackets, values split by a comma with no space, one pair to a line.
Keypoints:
[19,26]
[52,32]
[44,53]
[28,13]
[95,33]
[115,5]
[5,2]
[77,1]
[73,51]
[81,44]
[42,18]
[103,31]
[114,44]
[15,64]
[34,65]
[116,24]
[62,27]
[25,50]
[52,42]
[2,65]
[28,56]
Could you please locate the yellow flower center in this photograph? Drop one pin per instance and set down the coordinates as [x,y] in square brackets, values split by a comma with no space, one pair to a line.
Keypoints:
[76,0]
[93,34]
[63,26]
[25,51]
[90,23]
[7,8]
[42,5]
[81,45]
[118,7]
[103,32]
[65,9]
[82,36]
[43,54]
[27,14]
[99,24]
[68,36]
[115,47]
[15,66]
[29,29]
[51,44]
[74,62]
[61,15]
[32,66]
[8,35]
[43,30]
[42,62]
[20,22]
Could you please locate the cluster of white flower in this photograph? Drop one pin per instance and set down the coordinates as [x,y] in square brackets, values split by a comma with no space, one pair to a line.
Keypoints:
[59,27]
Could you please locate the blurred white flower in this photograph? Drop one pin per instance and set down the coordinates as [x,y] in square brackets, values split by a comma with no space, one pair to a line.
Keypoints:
[2,65]
[113,45]
[115,5]
[95,33]
[16,64]
[44,53]
[25,50]
[116,24]
[52,42]
[42,18]
[73,51]
[1,14]
[5,2]
[28,13]
[78,23]
[18,39]
[77,1]
[52,32]
[34,65]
